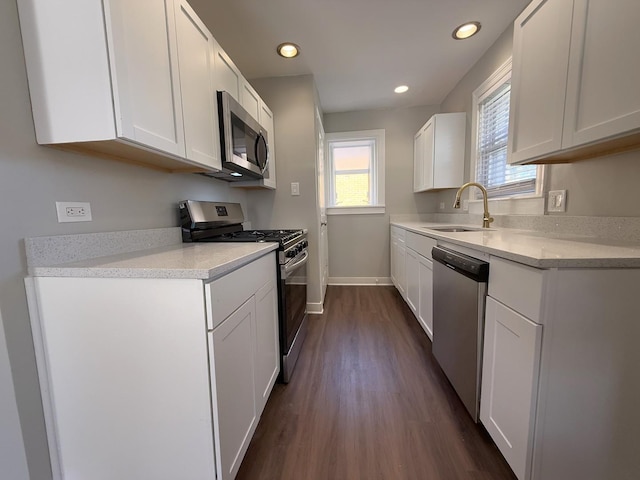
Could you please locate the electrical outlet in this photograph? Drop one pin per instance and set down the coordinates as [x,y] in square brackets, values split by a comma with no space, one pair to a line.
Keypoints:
[73,212]
[465,205]
[295,188]
[441,205]
[557,201]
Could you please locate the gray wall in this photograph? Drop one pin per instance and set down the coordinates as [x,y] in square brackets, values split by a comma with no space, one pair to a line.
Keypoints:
[605,186]
[32,178]
[359,244]
[293,102]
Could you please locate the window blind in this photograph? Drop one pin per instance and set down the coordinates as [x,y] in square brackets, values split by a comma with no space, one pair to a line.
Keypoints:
[492,170]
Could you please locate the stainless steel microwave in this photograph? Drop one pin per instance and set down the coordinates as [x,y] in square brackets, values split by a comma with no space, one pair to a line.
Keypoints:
[243,141]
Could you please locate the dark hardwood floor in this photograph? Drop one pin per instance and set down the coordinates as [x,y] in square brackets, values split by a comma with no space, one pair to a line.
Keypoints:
[368,401]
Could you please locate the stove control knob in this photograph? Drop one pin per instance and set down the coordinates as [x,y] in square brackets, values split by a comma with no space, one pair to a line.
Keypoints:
[291,253]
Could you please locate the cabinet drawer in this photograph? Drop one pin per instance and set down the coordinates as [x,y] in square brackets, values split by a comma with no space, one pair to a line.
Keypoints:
[517,286]
[399,233]
[420,244]
[227,293]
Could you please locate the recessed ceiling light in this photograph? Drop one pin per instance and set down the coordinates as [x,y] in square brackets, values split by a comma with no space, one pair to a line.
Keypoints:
[466,30]
[401,89]
[288,50]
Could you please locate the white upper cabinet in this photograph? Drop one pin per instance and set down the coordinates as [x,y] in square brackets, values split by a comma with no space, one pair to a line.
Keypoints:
[132,81]
[418,160]
[574,82]
[196,67]
[538,80]
[439,148]
[603,99]
[228,77]
[249,99]
[129,80]
[143,56]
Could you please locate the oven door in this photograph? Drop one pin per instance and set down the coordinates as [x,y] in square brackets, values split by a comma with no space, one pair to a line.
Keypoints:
[293,291]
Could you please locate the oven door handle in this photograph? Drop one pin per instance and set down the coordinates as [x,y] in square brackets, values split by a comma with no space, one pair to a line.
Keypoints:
[290,268]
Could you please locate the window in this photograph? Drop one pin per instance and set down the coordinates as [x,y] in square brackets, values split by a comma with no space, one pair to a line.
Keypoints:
[355,167]
[491,129]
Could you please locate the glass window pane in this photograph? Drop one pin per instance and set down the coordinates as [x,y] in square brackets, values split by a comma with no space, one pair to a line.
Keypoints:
[352,158]
[352,189]
[351,162]
[492,170]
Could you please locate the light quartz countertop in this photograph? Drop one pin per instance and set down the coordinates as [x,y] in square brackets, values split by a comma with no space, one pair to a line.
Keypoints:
[536,249]
[203,261]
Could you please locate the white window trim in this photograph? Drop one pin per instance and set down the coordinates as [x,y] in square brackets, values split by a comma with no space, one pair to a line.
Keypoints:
[528,204]
[379,207]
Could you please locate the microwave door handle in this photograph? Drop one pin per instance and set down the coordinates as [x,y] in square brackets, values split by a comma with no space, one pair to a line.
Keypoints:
[260,138]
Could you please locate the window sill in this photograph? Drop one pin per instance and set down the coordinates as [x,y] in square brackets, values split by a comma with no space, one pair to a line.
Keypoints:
[368,210]
[533,205]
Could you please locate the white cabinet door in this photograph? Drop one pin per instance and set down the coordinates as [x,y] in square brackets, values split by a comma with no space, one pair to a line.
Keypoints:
[144,62]
[427,157]
[510,372]
[398,258]
[401,271]
[604,71]
[233,390]
[196,61]
[418,161]
[267,357]
[541,43]
[394,261]
[439,148]
[425,306]
[249,99]
[227,77]
[412,275]
[449,150]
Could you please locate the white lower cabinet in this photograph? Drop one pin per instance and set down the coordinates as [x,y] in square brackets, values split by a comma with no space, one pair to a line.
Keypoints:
[244,355]
[398,260]
[419,272]
[267,357]
[509,383]
[425,305]
[412,272]
[233,388]
[134,388]
[420,279]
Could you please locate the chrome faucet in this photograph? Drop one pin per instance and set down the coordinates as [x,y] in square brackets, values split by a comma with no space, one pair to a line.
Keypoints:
[486,219]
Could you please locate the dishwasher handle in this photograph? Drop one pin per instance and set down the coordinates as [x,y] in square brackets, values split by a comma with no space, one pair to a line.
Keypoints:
[471,267]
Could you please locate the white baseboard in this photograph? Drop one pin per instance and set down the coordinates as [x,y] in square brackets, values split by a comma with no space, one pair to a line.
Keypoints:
[373,281]
[315,308]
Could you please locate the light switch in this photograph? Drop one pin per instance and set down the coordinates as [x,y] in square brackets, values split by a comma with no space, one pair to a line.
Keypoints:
[295,188]
[557,201]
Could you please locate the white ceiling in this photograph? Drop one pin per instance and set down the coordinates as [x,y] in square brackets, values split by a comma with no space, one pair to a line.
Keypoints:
[359,50]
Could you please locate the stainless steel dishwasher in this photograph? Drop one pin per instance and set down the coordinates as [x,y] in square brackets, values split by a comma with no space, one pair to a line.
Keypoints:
[459,293]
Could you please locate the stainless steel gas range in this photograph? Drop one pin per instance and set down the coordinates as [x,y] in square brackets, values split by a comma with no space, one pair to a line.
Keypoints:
[222,222]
